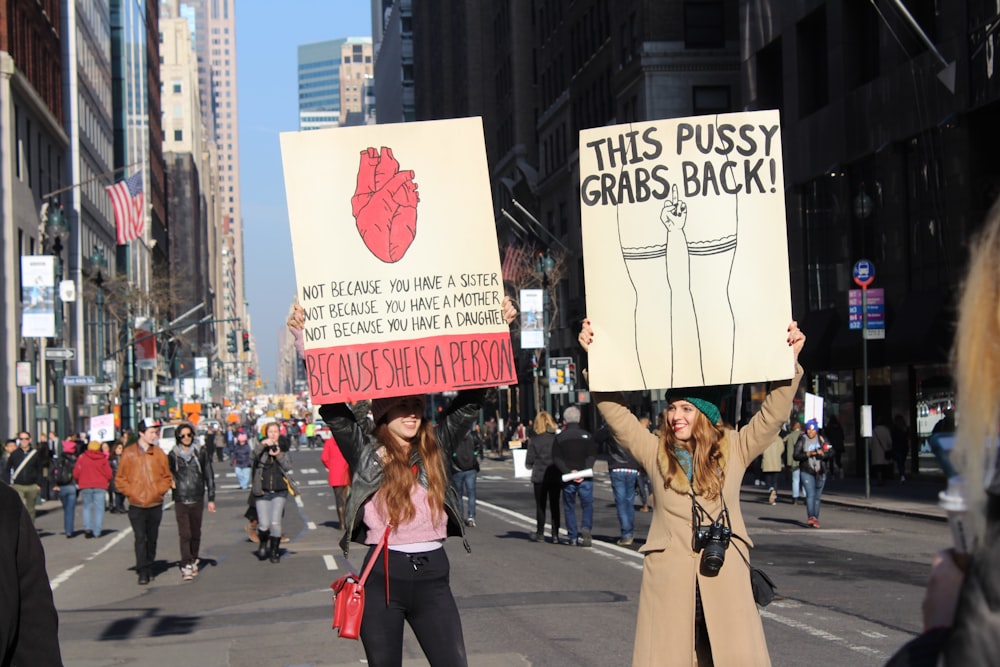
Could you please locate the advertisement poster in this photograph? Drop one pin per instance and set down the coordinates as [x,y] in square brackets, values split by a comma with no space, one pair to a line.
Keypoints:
[38,295]
[532,319]
[396,259]
[686,254]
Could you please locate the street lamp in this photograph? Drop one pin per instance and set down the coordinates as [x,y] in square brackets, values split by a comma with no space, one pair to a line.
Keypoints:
[99,262]
[545,265]
[57,230]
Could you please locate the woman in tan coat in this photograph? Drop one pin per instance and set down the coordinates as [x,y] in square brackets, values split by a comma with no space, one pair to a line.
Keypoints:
[687,615]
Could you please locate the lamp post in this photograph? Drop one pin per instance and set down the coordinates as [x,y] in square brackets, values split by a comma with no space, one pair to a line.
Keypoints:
[99,263]
[56,229]
[545,265]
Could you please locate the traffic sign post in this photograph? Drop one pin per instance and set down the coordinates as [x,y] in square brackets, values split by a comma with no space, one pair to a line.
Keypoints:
[864,276]
[60,354]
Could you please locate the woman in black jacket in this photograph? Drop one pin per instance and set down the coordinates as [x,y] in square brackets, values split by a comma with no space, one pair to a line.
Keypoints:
[191,467]
[545,475]
[270,488]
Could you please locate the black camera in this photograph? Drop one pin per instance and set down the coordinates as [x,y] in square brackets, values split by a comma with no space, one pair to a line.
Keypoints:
[273,448]
[712,541]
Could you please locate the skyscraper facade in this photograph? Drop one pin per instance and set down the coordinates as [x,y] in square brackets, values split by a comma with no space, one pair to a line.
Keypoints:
[332,79]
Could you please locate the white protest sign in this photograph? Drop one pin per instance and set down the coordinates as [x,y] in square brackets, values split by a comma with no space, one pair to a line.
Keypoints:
[102,427]
[685,252]
[396,259]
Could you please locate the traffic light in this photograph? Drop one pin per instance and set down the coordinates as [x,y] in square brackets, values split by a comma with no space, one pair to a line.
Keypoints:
[246,341]
[249,371]
[231,342]
[571,376]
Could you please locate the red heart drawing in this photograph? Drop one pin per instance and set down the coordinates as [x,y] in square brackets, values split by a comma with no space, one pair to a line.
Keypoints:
[385,205]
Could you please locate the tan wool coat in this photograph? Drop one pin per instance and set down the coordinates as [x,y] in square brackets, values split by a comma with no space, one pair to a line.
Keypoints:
[664,635]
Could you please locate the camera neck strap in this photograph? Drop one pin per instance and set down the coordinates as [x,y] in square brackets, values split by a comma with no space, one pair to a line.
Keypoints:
[700,515]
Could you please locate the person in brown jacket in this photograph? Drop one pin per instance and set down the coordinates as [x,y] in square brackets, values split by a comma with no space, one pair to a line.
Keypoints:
[144,478]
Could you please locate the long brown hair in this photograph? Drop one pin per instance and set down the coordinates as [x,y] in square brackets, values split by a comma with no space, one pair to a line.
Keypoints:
[706,454]
[398,477]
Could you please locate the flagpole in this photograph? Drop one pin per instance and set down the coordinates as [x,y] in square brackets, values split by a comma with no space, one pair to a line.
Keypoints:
[91,180]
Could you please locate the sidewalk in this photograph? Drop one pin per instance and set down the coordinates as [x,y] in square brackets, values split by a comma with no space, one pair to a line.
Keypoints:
[914,497]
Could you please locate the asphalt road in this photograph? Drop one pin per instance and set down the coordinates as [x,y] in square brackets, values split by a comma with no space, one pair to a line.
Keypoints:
[850,592]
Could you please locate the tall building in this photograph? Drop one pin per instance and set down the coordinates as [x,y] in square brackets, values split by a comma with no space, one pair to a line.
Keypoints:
[332,79]
[33,154]
[215,44]
[392,35]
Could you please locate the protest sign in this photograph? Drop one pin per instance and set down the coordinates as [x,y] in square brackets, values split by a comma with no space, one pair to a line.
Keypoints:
[685,252]
[400,282]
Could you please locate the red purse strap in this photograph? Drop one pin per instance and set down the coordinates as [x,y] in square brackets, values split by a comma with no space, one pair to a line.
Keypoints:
[383,547]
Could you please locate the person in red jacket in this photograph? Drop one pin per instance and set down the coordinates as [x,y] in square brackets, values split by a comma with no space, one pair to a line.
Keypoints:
[339,475]
[92,473]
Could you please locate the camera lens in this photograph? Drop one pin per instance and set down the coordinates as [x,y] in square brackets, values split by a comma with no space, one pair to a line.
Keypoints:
[712,558]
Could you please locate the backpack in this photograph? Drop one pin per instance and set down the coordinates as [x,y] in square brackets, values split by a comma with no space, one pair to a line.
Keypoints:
[62,469]
[466,454]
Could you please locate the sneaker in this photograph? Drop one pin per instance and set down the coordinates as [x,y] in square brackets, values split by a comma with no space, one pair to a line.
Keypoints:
[471,522]
[773,497]
[143,578]
[187,574]
[535,537]
[625,541]
[194,568]
[812,522]
[585,540]
[815,523]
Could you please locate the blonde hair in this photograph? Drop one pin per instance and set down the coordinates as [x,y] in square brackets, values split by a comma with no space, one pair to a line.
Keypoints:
[976,359]
[544,423]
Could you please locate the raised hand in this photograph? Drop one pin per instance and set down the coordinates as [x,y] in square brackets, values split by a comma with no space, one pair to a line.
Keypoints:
[385,205]
[674,213]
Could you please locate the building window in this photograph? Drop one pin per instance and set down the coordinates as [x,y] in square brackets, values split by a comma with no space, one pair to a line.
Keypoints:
[812,63]
[704,25]
[178,135]
[710,100]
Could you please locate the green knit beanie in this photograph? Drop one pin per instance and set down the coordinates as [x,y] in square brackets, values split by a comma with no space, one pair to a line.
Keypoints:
[706,399]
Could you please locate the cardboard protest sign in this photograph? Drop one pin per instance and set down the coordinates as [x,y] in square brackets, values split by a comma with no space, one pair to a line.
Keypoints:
[400,282]
[685,249]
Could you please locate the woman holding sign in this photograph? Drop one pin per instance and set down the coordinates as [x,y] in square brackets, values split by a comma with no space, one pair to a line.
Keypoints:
[401,482]
[696,605]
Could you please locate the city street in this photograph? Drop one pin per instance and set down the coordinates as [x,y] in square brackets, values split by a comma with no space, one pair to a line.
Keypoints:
[851,591]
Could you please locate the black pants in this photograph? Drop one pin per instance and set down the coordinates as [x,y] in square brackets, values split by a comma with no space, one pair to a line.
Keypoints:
[189,517]
[420,594]
[549,490]
[146,526]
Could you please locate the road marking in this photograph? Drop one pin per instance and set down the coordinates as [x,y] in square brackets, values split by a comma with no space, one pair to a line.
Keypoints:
[331,563]
[311,525]
[822,634]
[308,471]
[872,634]
[298,501]
[315,482]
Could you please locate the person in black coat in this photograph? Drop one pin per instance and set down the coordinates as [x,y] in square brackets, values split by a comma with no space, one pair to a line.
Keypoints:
[575,451]
[29,624]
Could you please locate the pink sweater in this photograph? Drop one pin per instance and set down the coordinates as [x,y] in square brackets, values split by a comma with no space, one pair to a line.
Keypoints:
[423,528]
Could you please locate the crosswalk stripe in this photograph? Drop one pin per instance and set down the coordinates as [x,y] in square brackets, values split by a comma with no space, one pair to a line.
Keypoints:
[331,564]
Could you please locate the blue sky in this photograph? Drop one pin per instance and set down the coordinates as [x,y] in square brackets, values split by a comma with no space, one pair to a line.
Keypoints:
[267,38]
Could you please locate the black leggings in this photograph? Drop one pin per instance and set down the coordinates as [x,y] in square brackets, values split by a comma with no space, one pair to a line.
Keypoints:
[419,592]
[549,490]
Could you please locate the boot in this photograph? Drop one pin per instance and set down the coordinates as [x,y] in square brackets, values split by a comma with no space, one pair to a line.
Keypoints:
[263,538]
[275,549]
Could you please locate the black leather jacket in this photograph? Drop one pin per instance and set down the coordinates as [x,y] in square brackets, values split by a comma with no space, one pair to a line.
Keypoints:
[358,445]
[193,477]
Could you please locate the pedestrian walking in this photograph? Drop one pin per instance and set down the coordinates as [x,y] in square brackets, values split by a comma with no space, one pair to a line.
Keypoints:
[271,484]
[25,471]
[117,498]
[545,476]
[770,467]
[813,454]
[241,458]
[796,474]
[339,477]
[144,478]
[191,469]
[573,451]
[881,451]
[92,473]
[465,467]
[623,470]
[697,610]
[65,485]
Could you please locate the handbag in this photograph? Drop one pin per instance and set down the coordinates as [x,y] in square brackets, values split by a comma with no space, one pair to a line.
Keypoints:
[349,593]
[762,585]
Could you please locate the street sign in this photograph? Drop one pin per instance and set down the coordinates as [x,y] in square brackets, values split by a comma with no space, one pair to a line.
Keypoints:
[103,388]
[864,273]
[165,389]
[874,334]
[152,399]
[78,380]
[559,376]
[29,389]
[875,305]
[60,353]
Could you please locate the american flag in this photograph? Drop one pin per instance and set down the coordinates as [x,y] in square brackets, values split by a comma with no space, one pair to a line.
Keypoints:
[127,199]
[511,267]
